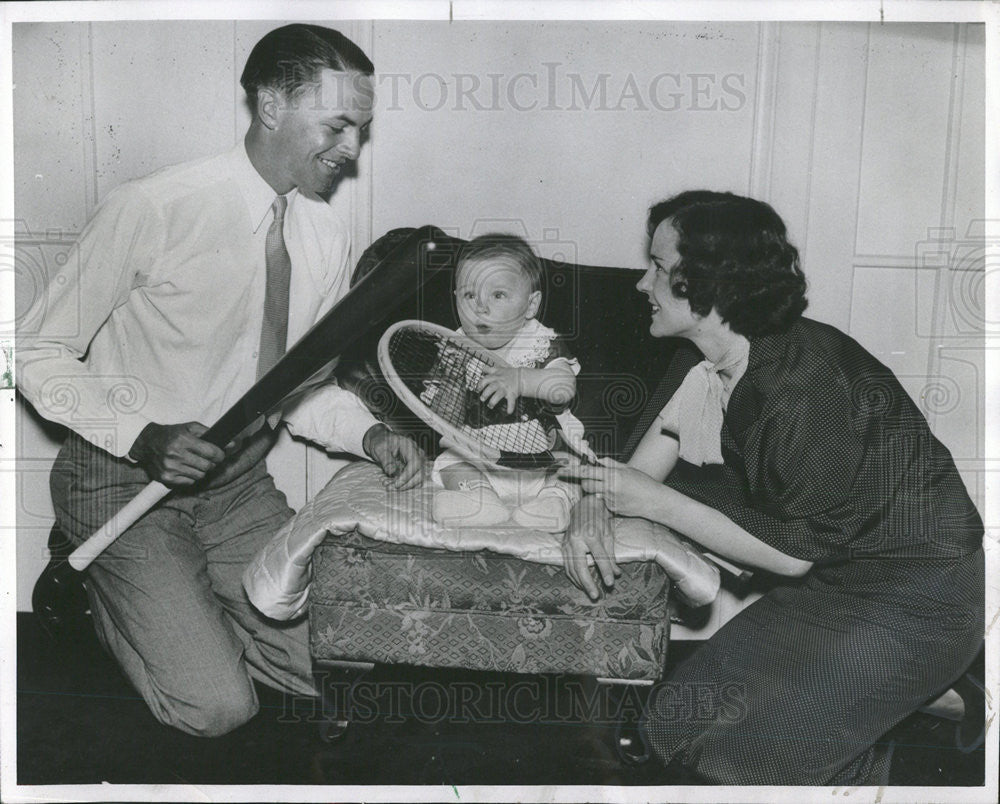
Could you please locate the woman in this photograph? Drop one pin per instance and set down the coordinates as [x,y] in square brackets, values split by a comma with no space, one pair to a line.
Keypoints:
[788,448]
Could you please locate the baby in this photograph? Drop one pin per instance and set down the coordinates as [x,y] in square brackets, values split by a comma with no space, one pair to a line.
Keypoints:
[498,289]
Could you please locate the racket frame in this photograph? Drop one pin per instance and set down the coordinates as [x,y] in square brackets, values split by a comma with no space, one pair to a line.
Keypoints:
[451,436]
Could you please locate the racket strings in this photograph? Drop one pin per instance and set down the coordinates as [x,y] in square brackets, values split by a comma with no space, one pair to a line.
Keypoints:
[445,375]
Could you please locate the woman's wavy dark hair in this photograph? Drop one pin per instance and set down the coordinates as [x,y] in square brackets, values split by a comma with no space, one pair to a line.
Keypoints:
[735,258]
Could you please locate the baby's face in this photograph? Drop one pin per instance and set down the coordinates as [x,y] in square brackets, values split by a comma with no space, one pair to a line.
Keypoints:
[494,300]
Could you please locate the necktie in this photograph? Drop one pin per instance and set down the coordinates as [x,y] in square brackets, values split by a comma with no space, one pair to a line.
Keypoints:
[274,332]
[700,401]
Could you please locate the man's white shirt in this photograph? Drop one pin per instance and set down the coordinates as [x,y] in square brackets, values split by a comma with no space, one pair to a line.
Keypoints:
[162,297]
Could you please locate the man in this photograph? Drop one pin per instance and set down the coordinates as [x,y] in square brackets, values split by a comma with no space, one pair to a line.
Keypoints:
[192,282]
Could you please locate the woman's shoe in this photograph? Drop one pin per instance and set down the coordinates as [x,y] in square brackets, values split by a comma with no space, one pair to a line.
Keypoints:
[630,745]
[970,731]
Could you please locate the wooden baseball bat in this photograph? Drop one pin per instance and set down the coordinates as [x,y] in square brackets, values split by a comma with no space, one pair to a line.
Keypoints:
[307,363]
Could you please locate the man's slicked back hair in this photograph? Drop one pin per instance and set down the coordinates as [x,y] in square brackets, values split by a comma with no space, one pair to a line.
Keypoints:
[292,56]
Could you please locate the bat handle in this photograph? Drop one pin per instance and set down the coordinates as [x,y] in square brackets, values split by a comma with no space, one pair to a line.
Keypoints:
[81,558]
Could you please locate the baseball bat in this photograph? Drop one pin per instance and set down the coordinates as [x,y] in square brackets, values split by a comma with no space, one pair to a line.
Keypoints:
[307,363]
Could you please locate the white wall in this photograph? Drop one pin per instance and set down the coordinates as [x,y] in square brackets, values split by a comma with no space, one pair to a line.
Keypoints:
[868,139]
[578,162]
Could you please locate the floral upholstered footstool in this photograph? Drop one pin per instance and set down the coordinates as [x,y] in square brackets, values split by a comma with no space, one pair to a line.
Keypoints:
[380,602]
[382,582]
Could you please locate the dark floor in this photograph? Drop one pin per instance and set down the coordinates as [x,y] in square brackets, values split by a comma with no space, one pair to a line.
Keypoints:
[80,722]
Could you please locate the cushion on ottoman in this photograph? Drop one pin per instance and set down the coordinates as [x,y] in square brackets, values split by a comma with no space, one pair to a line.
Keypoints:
[279,579]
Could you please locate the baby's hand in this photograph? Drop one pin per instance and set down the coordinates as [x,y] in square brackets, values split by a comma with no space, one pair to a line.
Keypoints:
[500,383]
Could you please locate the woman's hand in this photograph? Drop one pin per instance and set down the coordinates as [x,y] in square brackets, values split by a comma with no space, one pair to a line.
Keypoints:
[590,532]
[626,491]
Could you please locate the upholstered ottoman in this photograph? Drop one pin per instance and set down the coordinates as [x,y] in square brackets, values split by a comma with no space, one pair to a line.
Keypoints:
[382,582]
[380,602]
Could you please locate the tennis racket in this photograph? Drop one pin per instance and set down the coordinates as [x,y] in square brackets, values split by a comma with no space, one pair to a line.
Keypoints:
[436,373]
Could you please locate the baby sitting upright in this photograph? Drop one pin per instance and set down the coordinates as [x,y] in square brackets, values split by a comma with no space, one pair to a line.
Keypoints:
[498,290]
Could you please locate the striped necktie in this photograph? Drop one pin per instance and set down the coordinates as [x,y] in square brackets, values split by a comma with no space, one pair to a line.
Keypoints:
[274,332]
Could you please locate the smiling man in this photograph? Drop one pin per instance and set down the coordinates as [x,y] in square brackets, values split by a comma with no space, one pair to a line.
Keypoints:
[194,281]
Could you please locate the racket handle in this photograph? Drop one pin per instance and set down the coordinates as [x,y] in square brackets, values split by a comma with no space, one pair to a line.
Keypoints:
[573,434]
[82,557]
[740,573]
[582,448]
